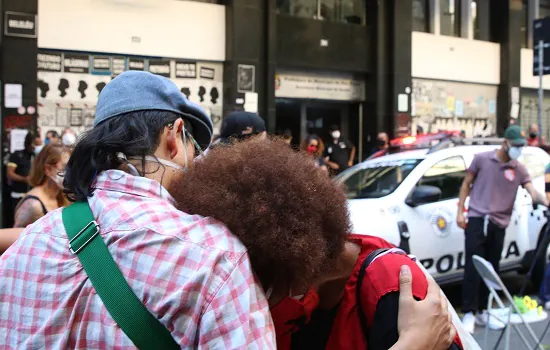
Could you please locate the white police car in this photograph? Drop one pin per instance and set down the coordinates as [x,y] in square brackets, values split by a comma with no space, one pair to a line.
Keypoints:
[410,198]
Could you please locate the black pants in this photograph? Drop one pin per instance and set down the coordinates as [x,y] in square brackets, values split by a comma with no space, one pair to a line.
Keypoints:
[474,293]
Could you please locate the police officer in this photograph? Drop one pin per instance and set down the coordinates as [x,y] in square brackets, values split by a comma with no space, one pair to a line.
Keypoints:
[339,153]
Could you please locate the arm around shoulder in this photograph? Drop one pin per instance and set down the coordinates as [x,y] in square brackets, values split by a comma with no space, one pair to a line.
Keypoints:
[8,236]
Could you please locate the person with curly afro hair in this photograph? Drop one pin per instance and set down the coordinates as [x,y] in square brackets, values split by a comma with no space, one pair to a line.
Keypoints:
[294,223]
[275,201]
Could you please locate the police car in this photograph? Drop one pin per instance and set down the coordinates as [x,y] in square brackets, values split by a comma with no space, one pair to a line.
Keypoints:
[410,198]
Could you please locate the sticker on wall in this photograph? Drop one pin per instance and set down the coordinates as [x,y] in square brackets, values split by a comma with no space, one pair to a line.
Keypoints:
[251,102]
[245,78]
[450,103]
[492,107]
[402,103]
[459,108]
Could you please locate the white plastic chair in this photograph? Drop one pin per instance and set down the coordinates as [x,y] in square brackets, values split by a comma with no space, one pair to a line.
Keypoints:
[493,282]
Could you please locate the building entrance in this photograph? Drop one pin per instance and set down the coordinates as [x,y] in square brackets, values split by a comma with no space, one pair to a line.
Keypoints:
[306,117]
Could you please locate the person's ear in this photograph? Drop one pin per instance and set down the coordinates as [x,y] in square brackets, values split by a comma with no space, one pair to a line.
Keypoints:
[172,138]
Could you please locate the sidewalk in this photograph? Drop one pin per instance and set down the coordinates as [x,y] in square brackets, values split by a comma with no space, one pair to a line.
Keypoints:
[515,340]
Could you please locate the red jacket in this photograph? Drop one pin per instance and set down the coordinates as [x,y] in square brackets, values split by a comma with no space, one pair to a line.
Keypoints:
[381,278]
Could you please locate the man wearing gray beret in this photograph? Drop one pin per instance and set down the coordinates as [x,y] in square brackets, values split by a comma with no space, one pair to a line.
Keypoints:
[121,267]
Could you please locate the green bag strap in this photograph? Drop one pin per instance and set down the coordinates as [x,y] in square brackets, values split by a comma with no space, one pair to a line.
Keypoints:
[145,331]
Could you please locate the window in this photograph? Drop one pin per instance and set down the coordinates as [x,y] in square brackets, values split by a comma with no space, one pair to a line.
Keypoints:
[447,175]
[544,8]
[346,11]
[420,15]
[524,24]
[475,18]
[479,19]
[376,180]
[448,17]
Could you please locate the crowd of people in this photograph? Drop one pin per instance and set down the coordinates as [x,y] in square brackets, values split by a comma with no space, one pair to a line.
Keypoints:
[245,244]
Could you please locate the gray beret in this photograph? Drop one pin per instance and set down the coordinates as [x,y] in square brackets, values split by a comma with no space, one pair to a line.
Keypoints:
[140,91]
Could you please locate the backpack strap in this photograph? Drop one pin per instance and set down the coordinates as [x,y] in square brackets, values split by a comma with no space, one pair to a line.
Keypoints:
[370,258]
[144,329]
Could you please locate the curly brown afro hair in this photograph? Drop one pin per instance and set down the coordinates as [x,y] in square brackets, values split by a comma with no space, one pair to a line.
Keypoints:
[291,217]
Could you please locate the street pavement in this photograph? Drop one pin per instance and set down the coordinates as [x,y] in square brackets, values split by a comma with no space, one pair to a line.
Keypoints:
[513,282]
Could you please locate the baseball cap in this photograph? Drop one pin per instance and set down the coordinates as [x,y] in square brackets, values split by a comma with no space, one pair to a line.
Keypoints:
[134,91]
[515,135]
[240,125]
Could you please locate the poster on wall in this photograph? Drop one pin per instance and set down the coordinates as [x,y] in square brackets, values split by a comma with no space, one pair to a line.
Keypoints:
[49,62]
[186,69]
[68,91]
[101,65]
[245,78]
[118,65]
[452,106]
[73,63]
[136,64]
[160,67]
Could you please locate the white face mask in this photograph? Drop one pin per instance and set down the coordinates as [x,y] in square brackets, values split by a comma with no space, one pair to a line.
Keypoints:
[37,149]
[69,139]
[336,134]
[166,163]
[514,152]
[58,180]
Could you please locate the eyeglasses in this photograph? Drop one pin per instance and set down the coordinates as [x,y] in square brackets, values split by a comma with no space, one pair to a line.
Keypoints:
[187,134]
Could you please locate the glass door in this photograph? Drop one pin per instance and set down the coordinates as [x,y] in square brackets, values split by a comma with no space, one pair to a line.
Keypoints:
[319,118]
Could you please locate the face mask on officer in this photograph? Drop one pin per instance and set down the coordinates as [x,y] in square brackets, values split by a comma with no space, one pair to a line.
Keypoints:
[336,134]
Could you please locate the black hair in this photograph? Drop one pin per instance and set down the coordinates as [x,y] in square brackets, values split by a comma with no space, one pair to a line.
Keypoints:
[29,139]
[287,133]
[53,133]
[136,134]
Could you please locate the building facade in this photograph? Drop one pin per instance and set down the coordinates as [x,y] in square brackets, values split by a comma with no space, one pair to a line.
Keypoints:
[399,66]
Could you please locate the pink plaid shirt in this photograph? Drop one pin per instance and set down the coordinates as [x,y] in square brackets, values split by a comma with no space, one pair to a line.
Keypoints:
[189,272]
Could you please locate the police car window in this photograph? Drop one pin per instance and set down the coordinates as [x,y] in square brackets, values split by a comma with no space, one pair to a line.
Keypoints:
[378,179]
[447,175]
[535,165]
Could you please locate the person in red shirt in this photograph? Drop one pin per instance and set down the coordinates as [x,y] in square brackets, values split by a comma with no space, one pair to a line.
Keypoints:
[534,138]
[294,222]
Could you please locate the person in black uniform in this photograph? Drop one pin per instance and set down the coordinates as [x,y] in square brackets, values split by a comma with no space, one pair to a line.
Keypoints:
[19,167]
[339,153]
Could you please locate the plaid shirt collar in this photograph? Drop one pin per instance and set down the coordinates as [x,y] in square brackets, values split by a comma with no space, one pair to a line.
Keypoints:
[120,181]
